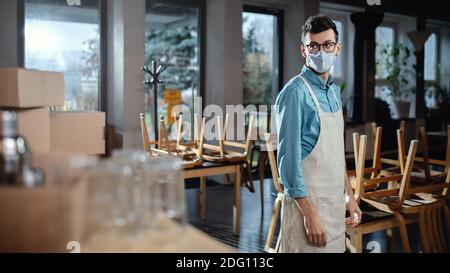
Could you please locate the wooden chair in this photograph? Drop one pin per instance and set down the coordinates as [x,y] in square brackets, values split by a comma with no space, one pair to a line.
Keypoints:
[380,166]
[165,147]
[278,201]
[387,166]
[373,220]
[375,170]
[426,175]
[406,201]
[234,152]
[422,171]
[222,151]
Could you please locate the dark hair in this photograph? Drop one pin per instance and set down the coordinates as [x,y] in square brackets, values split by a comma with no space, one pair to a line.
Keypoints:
[318,23]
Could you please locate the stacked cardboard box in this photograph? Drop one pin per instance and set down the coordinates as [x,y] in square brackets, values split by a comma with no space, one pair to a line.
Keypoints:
[24,88]
[78,133]
[29,93]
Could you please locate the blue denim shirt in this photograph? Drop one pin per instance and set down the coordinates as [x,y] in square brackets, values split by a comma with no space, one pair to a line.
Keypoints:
[298,126]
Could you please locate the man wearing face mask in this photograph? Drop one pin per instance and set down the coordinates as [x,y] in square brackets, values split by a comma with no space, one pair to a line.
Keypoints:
[311,157]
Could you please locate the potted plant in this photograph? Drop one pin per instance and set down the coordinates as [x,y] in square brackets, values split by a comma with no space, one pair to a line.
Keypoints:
[398,72]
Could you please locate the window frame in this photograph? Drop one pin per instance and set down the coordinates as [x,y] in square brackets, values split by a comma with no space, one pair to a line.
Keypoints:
[102,13]
[279,14]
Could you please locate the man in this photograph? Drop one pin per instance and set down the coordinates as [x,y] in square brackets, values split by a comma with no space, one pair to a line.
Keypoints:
[311,156]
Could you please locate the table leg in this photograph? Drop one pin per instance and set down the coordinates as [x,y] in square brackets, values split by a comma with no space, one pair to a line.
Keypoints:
[237,202]
[202,198]
[261,169]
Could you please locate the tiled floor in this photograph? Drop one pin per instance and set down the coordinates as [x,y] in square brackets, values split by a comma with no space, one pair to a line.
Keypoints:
[219,215]
[254,222]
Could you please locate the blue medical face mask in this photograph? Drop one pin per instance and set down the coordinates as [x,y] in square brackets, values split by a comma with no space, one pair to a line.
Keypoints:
[321,61]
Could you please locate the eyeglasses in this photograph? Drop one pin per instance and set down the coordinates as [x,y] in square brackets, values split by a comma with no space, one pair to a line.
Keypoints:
[327,47]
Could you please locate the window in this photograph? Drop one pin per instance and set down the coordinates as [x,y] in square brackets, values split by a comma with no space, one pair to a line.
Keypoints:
[431,58]
[261,55]
[384,37]
[173,39]
[63,38]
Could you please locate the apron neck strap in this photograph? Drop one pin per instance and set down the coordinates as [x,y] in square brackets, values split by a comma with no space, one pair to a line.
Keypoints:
[311,92]
[335,97]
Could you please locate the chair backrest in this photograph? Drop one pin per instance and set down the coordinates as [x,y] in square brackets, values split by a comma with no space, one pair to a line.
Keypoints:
[236,144]
[445,192]
[425,160]
[222,143]
[376,159]
[163,137]
[163,144]
[360,143]
[144,133]
[401,148]
[406,174]
[425,151]
[273,163]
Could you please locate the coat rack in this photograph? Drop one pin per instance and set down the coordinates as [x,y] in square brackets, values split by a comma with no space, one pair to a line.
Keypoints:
[155,71]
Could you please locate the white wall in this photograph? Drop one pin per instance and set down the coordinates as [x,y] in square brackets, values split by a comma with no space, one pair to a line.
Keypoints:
[347,39]
[223,52]
[125,57]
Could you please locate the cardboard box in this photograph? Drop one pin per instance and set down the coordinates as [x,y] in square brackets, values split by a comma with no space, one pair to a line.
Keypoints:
[34,126]
[78,133]
[26,88]
[43,219]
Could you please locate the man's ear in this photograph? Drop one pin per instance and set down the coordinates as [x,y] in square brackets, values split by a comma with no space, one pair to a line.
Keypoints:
[303,50]
[338,49]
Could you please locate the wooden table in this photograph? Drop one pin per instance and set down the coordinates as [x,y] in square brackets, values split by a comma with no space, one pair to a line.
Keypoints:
[166,237]
[211,169]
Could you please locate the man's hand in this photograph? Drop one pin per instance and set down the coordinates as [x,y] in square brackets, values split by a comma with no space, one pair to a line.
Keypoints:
[315,230]
[355,211]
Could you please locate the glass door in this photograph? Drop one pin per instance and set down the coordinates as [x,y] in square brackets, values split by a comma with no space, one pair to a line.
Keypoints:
[173,40]
[262,43]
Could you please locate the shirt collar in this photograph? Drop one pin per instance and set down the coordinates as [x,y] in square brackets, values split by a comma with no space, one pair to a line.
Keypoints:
[314,79]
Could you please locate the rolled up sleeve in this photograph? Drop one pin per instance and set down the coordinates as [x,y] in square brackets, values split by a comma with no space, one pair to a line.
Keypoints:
[289,146]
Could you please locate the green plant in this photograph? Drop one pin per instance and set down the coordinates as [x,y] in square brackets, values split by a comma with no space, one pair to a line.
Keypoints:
[393,65]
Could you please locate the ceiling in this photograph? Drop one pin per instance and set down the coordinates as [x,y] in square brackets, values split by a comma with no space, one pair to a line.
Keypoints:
[428,9]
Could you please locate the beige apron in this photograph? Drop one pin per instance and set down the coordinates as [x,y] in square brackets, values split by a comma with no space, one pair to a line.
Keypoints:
[323,171]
